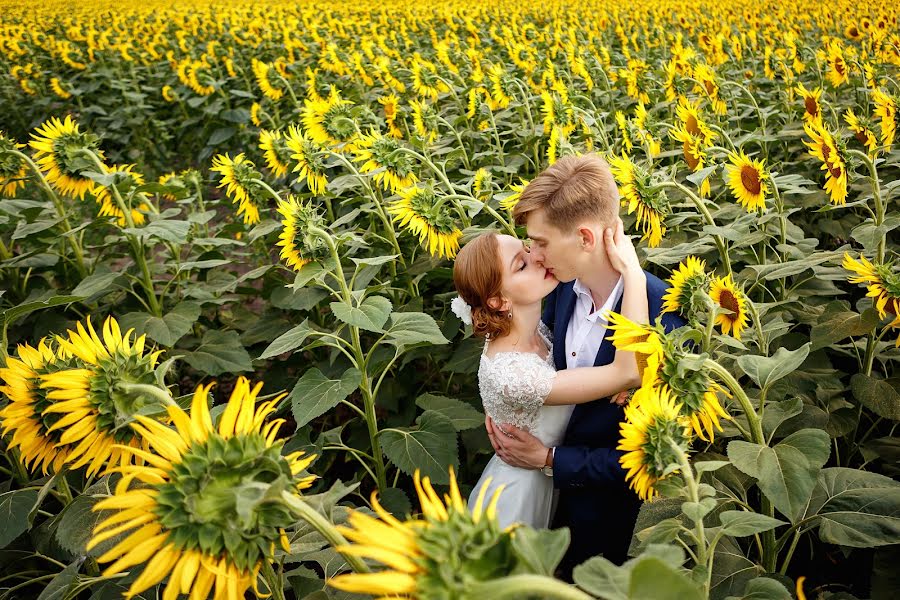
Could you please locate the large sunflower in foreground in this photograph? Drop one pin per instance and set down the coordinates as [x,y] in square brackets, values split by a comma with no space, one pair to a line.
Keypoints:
[826,148]
[329,121]
[239,177]
[685,280]
[643,339]
[298,245]
[436,556]
[12,168]
[883,286]
[38,446]
[652,425]
[638,195]
[58,150]
[727,295]
[420,211]
[90,398]
[206,514]
[747,180]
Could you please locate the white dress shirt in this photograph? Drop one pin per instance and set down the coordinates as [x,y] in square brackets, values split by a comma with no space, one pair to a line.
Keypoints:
[587,328]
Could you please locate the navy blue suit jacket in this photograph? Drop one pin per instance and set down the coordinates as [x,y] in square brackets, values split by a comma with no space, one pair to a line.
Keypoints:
[594,500]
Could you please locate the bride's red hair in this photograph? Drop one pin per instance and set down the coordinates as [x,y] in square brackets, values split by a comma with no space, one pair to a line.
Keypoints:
[478,277]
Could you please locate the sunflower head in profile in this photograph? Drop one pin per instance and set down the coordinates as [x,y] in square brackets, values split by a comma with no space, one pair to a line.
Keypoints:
[421,212]
[812,103]
[298,245]
[558,145]
[126,178]
[310,158]
[207,513]
[39,446]
[276,151]
[643,339]
[882,283]
[558,111]
[425,120]
[748,179]
[391,106]
[13,171]
[641,197]
[266,75]
[93,399]
[694,153]
[838,70]
[425,79]
[886,111]
[708,84]
[438,555]
[59,150]
[692,121]
[482,184]
[239,178]
[862,131]
[510,201]
[830,151]
[178,183]
[686,280]
[385,158]
[330,121]
[652,430]
[735,317]
[502,85]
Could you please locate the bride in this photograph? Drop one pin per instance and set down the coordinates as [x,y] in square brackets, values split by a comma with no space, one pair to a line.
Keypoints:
[503,288]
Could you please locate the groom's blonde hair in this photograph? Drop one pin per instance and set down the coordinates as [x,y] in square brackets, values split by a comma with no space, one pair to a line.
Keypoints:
[572,190]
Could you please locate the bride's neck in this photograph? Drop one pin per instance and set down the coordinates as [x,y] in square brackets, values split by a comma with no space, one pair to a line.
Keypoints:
[524,324]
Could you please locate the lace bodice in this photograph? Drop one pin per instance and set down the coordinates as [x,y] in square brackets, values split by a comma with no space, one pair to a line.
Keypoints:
[514,385]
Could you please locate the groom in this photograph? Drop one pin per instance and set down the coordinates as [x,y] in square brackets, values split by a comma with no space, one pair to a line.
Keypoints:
[566,209]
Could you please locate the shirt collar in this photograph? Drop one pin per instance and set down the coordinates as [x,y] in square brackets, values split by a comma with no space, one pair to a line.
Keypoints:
[584,294]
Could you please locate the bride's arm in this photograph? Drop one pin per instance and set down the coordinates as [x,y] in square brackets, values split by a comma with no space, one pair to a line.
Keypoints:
[584,384]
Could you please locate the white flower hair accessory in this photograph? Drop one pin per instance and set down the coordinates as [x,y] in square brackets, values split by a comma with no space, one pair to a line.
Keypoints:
[462,310]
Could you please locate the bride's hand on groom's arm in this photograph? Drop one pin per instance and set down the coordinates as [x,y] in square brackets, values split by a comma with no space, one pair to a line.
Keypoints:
[516,447]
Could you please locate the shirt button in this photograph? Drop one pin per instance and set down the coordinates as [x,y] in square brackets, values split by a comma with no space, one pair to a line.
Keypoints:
[573,354]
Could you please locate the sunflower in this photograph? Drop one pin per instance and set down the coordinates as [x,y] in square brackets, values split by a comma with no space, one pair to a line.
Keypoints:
[883,285]
[645,340]
[558,144]
[425,120]
[255,110]
[426,82]
[168,94]
[812,103]
[558,111]
[239,177]
[689,277]
[276,152]
[419,211]
[329,121]
[709,85]
[191,519]
[726,295]
[58,150]
[391,104]
[482,184]
[693,123]
[91,397]
[643,129]
[126,179]
[886,110]
[437,555]
[651,427]
[298,245]
[262,72]
[624,129]
[510,201]
[38,446]
[838,71]
[826,148]
[58,89]
[640,196]
[310,158]
[747,180]
[12,168]
[862,131]
[384,156]
[501,86]
[693,152]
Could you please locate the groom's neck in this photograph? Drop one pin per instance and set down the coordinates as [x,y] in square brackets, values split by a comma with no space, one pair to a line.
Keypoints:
[601,281]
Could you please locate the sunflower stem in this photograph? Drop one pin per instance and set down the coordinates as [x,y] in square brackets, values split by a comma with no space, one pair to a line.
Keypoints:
[163,396]
[694,490]
[701,206]
[756,432]
[324,527]
[272,580]
[876,193]
[526,586]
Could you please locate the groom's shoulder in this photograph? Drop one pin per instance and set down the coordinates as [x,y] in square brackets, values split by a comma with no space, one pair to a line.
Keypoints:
[656,287]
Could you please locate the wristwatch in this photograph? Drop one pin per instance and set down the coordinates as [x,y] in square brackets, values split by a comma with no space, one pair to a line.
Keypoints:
[547,469]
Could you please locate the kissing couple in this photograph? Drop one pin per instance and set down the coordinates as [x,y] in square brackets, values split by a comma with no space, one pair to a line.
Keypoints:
[549,378]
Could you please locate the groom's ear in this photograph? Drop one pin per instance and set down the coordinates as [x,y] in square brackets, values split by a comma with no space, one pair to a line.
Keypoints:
[589,239]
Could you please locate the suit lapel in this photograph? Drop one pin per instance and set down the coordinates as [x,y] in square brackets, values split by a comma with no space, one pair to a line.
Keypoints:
[565,306]
[606,353]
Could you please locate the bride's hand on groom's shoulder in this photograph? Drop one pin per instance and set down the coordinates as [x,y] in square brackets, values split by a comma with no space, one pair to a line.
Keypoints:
[620,250]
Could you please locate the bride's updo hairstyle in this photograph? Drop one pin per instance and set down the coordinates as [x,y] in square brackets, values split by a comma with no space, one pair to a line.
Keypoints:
[478,277]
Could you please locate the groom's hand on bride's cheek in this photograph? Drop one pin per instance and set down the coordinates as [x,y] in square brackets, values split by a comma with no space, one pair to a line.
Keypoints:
[518,448]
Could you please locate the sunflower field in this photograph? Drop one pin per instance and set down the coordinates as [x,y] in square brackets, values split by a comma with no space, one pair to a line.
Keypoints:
[228,364]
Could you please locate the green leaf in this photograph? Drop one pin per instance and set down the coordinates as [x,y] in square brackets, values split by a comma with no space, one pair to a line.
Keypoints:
[766,370]
[288,341]
[763,588]
[95,284]
[840,326]
[877,395]
[301,299]
[220,352]
[172,231]
[461,414]
[78,520]
[697,510]
[60,586]
[602,579]
[856,508]
[731,569]
[11,314]
[739,523]
[408,328]
[709,465]
[315,394]
[541,550]
[653,579]
[779,412]
[14,509]
[786,474]
[430,447]
[166,330]
[371,314]
[220,135]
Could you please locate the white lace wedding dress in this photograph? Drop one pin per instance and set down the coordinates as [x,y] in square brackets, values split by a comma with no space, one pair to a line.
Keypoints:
[513,388]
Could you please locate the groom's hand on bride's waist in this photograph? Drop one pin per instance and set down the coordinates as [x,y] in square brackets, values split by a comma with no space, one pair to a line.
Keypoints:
[516,447]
